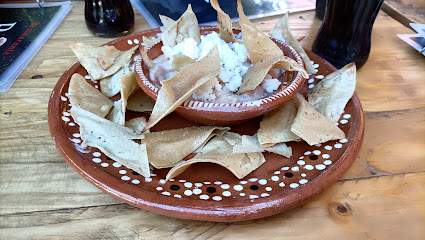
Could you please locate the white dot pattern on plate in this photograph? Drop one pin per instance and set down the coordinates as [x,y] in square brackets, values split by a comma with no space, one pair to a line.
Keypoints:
[136,41]
[303,175]
[217,198]
[295,169]
[300,162]
[327,147]
[238,187]
[327,162]
[338,145]
[227,193]
[129,42]
[303,181]
[166,193]
[309,167]
[188,184]
[275,178]
[162,181]
[311,80]
[262,181]
[125,178]
[317,152]
[148,179]
[326,156]
[320,166]
[269,189]
[225,186]
[242,194]
[116,164]
[320,76]
[204,197]
[311,86]
[97,160]
[188,192]
[343,121]
[177,195]
[135,181]
[198,184]
[97,154]
[343,140]
[197,191]
[122,171]
[104,164]
[346,116]
[294,185]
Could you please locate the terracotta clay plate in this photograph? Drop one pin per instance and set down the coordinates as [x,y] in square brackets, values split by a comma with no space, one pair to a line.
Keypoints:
[208,191]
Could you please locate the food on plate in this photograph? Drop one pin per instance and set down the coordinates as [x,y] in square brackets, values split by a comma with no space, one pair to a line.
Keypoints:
[101,62]
[167,148]
[176,90]
[330,95]
[84,95]
[282,32]
[218,67]
[114,140]
[276,125]
[312,126]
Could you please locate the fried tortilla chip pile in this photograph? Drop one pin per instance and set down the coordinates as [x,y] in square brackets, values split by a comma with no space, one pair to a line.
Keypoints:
[103,122]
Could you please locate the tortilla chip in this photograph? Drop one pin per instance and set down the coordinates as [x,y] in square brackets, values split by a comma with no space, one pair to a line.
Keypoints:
[250,144]
[145,57]
[88,57]
[181,61]
[116,115]
[282,32]
[176,90]
[110,86]
[114,140]
[136,124]
[312,126]
[258,45]
[330,95]
[166,148]
[140,102]
[224,23]
[219,151]
[185,27]
[276,125]
[84,95]
[166,21]
[256,74]
[149,42]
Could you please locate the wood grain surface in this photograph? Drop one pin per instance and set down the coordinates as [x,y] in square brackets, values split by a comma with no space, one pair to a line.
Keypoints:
[405,11]
[382,196]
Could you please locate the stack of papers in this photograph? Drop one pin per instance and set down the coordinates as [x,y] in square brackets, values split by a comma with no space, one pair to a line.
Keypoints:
[416,40]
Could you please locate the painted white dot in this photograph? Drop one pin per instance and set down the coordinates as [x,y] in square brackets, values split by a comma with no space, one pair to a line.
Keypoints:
[302,157]
[309,167]
[182,180]
[96,86]
[238,187]
[253,179]
[136,41]
[218,183]
[343,140]
[225,186]
[318,145]
[311,86]
[159,188]
[125,178]
[253,196]
[177,196]
[64,98]
[76,140]
[265,195]
[162,181]
[317,152]
[97,154]
[116,164]
[148,179]
[327,147]
[67,94]
[187,192]
[135,181]
[282,184]
[97,160]
[311,80]
[320,166]
[104,164]
[207,183]
[188,184]
[204,197]
[275,178]
[153,174]
[338,145]
[87,77]
[171,180]
[285,168]
[327,162]
[66,119]
[303,181]
[300,162]
[70,105]
[268,189]
[316,65]
[312,62]
[166,193]
[226,193]
[346,116]
[303,174]
[295,169]
[66,114]
[198,184]
[243,182]
[307,153]
[197,191]
[262,181]
[336,124]
[129,42]
[293,185]
[343,121]
[242,194]
[216,198]
[71,124]
[122,171]
[326,156]
[320,76]
[277,172]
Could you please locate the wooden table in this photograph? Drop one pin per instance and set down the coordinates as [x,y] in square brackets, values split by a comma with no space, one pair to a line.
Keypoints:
[382,196]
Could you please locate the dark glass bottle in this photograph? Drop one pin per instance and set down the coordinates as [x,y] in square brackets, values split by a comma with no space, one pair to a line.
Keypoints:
[109,18]
[345,34]
[320,9]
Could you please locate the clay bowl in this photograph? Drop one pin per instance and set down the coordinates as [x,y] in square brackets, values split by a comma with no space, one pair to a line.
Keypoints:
[227,114]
